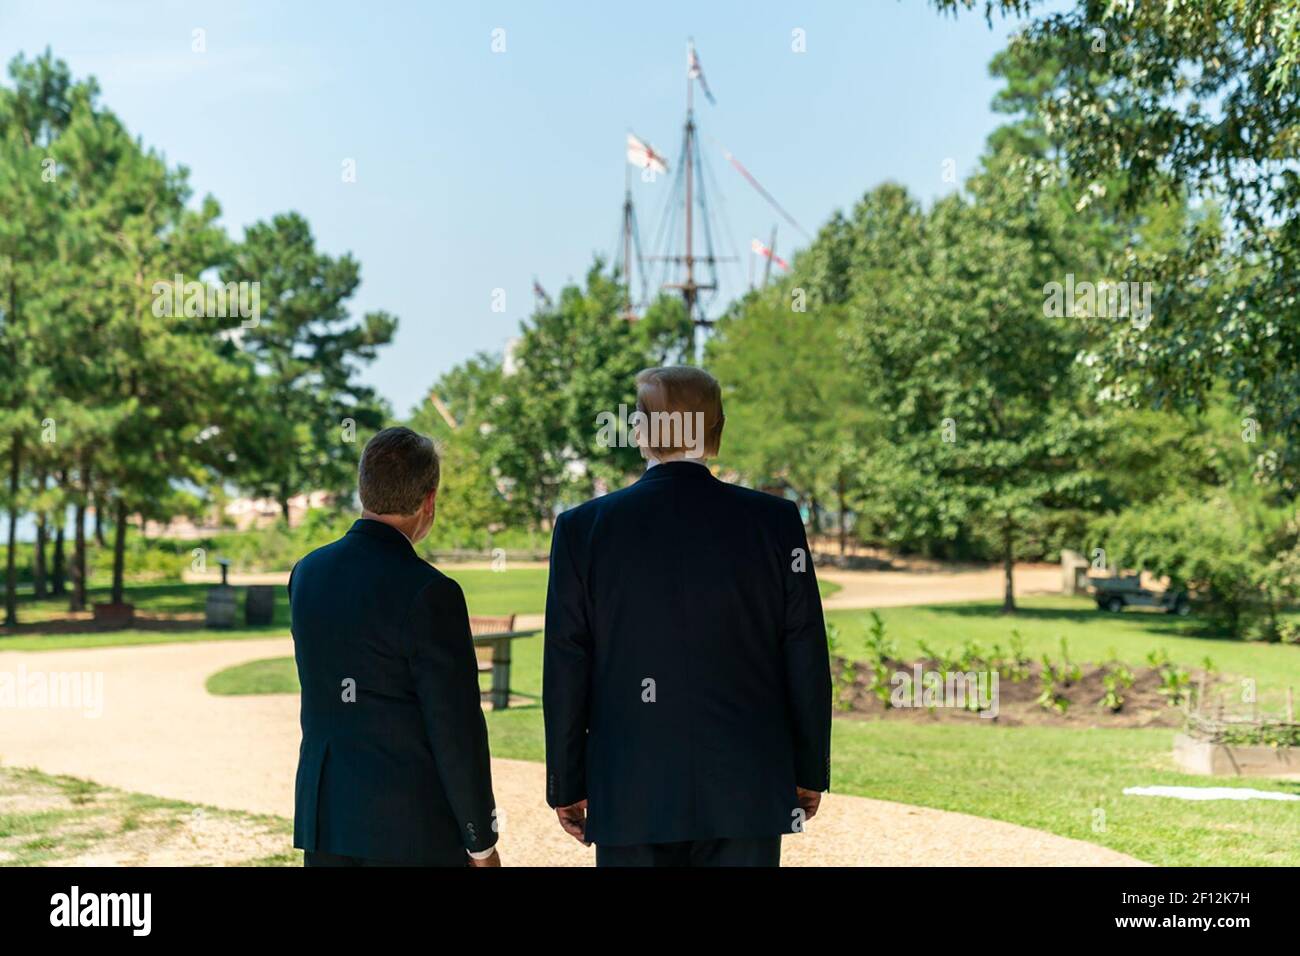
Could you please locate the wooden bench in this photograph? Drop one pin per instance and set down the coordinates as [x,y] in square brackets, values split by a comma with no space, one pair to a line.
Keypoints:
[492,637]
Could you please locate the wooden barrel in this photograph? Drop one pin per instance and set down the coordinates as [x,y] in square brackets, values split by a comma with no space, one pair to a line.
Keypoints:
[221,607]
[259,605]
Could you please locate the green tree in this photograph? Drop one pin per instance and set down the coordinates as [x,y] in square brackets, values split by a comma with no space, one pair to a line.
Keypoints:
[164,370]
[988,424]
[306,412]
[798,419]
[32,114]
[1153,102]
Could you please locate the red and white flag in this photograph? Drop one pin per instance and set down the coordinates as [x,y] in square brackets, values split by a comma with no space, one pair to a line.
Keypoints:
[696,72]
[767,253]
[643,156]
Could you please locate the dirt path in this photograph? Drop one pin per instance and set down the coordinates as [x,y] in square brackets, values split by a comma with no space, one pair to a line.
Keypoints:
[161,733]
[867,589]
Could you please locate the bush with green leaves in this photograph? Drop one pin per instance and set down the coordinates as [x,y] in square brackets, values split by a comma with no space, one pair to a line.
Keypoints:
[1175,681]
[848,668]
[1235,553]
[1117,679]
[880,650]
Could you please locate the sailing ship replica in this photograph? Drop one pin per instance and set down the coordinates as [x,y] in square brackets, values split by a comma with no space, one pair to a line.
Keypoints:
[687,259]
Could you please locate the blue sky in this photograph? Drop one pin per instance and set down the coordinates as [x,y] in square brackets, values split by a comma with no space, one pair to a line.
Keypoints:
[478,170]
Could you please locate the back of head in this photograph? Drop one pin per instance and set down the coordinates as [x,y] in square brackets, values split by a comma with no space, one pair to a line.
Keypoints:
[679,412]
[398,469]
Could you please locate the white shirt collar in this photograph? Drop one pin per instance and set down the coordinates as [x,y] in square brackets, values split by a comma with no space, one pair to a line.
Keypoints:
[651,462]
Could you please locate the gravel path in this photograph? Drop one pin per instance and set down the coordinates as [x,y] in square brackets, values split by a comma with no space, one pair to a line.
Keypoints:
[161,733]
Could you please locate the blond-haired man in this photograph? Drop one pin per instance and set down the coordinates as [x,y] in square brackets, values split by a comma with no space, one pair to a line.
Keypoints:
[686,682]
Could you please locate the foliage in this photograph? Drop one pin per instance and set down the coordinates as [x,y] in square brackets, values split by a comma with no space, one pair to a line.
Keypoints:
[1175,680]
[847,671]
[310,416]
[1117,679]
[880,650]
[1054,677]
[1233,552]
[1152,101]
[130,391]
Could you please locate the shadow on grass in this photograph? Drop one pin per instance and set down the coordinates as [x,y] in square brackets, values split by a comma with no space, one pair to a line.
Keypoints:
[160,607]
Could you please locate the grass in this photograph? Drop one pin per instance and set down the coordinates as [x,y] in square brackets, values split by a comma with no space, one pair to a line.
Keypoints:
[515,591]
[54,820]
[275,675]
[1057,780]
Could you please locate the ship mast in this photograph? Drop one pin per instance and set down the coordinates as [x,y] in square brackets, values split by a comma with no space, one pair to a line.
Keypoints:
[628,222]
[689,287]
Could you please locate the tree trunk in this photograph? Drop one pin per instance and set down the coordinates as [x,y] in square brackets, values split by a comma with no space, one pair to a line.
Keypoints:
[11,557]
[284,509]
[77,599]
[99,524]
[77,570]
[1008,569]
[38,555]
[844,517]
[119,551]
[58,566]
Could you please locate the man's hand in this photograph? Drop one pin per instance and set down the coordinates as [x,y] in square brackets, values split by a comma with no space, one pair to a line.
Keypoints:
[493,859]
[573,819]
[809,801]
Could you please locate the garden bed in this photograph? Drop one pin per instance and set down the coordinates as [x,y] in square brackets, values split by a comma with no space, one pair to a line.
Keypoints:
[1148,702]
[1213,758]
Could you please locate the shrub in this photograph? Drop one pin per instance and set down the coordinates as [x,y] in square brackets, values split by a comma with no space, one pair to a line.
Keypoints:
[1236,554]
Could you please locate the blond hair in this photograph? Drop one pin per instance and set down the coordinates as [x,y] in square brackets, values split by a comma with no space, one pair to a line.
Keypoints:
[681,409]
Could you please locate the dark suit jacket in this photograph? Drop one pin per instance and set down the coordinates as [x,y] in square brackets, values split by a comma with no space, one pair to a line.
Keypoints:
[686,684]
[400,773]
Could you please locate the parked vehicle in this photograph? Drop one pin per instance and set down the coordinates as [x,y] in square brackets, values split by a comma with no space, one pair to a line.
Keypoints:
[1124,590]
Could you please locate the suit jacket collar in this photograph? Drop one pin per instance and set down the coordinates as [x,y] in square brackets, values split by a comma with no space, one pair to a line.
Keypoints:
[384,532]
[683,470]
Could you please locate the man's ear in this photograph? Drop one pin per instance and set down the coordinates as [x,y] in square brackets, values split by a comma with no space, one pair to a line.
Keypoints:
[429,499]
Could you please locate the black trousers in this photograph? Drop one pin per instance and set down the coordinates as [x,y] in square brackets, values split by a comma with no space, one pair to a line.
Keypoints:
[765,851]
[315,858]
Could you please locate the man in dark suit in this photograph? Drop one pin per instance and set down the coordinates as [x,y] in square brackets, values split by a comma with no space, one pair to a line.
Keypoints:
[393,768]
[686,681]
